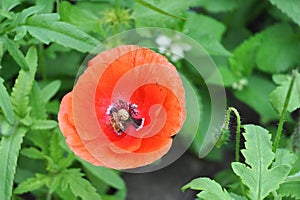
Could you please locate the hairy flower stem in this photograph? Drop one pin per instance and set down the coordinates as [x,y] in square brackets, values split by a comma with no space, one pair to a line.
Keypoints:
[283,112]
[238,130]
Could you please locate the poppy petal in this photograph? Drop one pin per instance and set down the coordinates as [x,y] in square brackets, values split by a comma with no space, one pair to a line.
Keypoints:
[131,74]
[69,131]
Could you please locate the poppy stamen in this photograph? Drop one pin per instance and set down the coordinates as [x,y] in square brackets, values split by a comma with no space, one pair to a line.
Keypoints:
[123,114]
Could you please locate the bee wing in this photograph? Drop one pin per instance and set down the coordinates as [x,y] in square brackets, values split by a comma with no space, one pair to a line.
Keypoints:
[137,123]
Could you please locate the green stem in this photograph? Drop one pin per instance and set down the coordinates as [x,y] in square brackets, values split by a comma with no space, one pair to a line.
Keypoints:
[237,137]
[49,195]
[238,130]
[283,112]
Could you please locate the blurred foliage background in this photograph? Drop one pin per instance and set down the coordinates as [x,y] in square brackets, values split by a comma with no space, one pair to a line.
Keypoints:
[255,45]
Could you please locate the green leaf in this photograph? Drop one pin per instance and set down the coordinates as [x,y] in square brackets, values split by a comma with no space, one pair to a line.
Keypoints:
[56,152]
[207,31]
[293,177]
[32,184]
[108,176]
[9,152]
[23,85]
[257,175]
[79,186]
[48,5]
[5,103]
[279,78]
[13,49]
[62,33]
[37,103]
[157,9]
[32,152]
[148,17]
[43,124]
[284,157]
[22,16]
[5,14]
[50,90]
[277,96]
[7,129]
[279,50]
[237,197]
[242,61]
[40,139]
[256,96]
[7,5]
[210,189]
[219,5]
[81,18]
[290,8]
[290,189]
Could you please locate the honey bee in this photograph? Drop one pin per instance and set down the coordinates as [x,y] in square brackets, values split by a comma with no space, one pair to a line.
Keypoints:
[118,124]
[122,115]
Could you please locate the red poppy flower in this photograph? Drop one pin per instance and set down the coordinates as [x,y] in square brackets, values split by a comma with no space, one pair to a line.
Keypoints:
[124,108]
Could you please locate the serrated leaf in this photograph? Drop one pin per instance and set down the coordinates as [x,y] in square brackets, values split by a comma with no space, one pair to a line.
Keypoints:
[290,8]
[108,176]
[260,103]
[62,33]
[148,17]
[5,103]
[37,104]
[50,90]
[242,61]
[43,124]
[207,31]
[9,152]
[277,96]
[237,197]
[16,54]
[293,177]
[279,50]
[56,182]
[32,152]
[219,5]
[32,184]
[79,186]
[257,175]
[56,152]
[65,194]
[210,189]
[23,85]
[290,189]
[284,157]
[40,139]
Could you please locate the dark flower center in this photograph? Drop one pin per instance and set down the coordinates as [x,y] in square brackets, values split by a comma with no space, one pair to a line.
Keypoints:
[122,114]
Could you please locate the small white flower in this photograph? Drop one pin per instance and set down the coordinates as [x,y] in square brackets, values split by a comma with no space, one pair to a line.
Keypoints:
[172,47]
[239,85]
[163,41]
